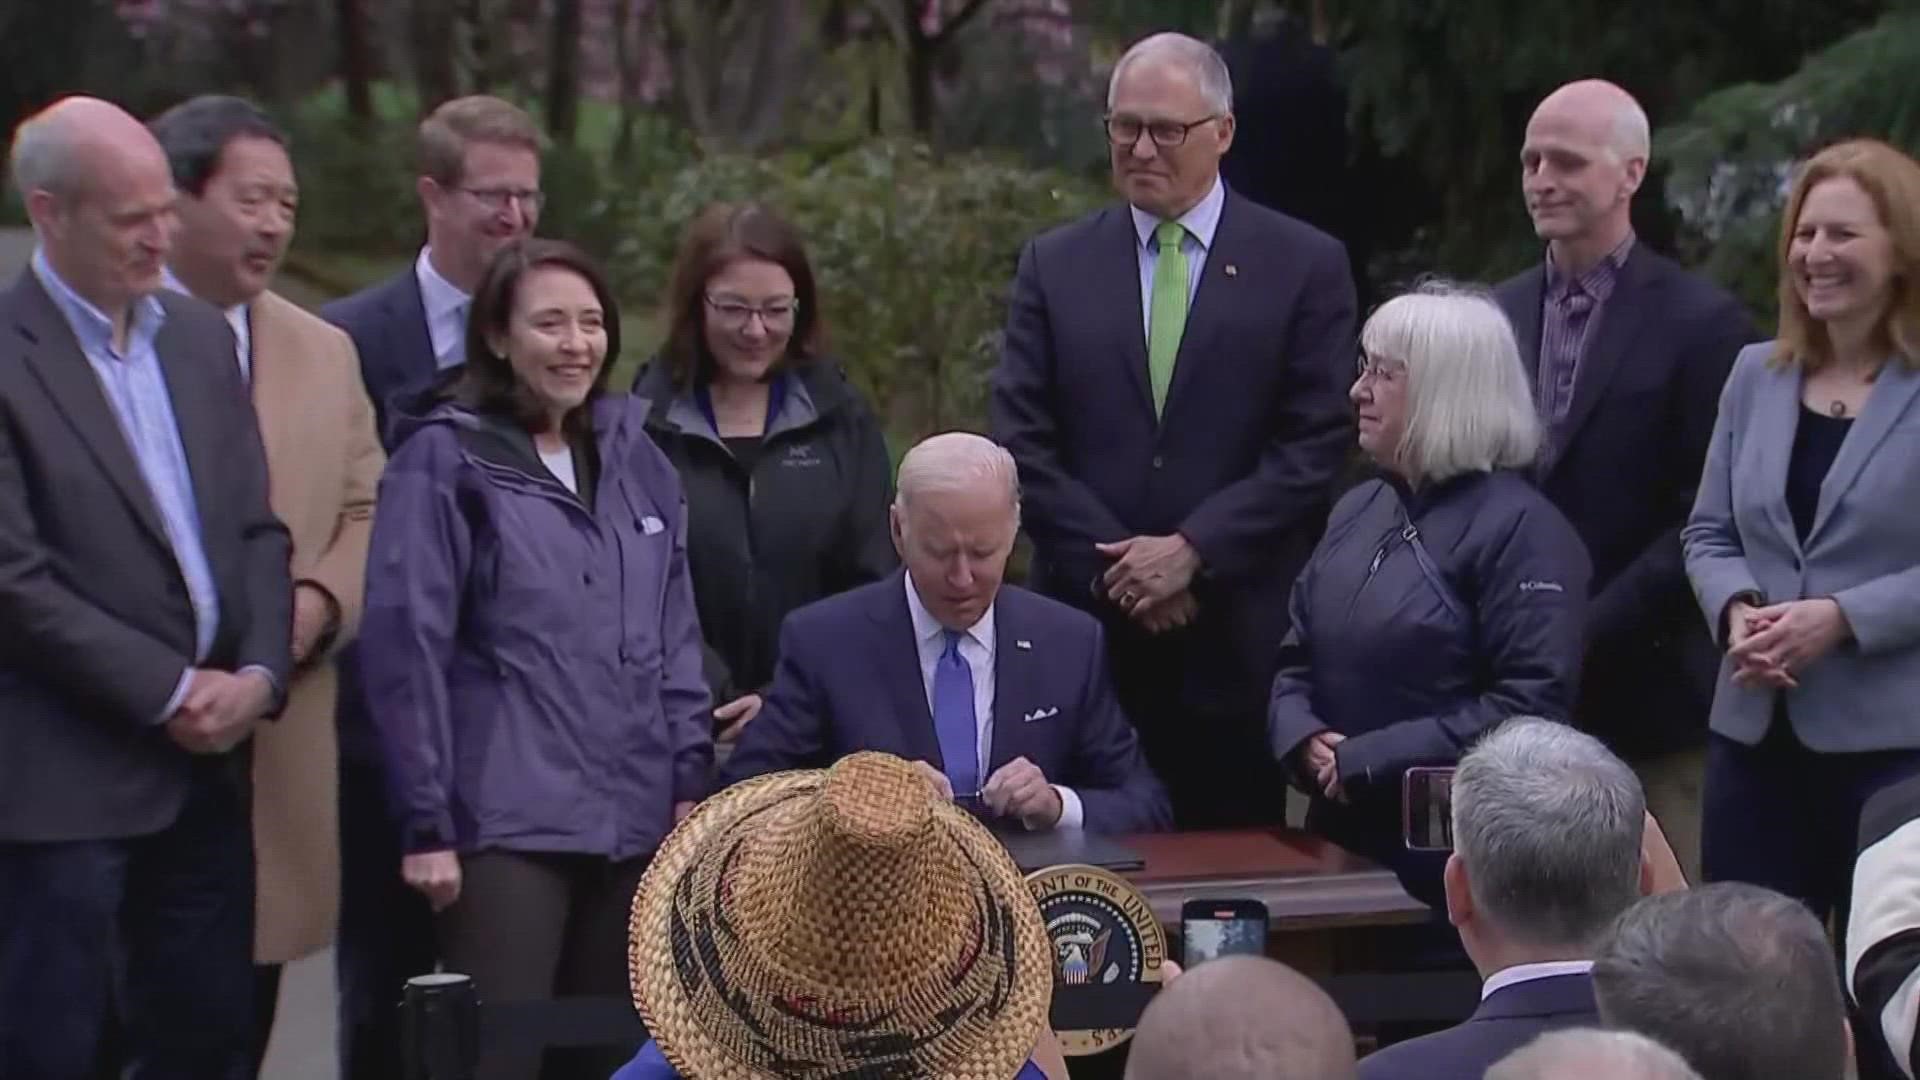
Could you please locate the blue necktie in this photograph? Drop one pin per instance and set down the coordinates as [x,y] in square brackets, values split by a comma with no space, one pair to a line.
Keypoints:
[953,719]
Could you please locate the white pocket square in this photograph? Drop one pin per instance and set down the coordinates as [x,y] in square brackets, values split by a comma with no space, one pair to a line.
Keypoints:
[650,525]
[1040,714]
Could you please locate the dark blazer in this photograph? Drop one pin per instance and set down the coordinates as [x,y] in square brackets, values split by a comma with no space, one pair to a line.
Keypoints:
[98,624]
[849,679]
[1241,463]
[1643,409]
[1511,1018]
[388,324]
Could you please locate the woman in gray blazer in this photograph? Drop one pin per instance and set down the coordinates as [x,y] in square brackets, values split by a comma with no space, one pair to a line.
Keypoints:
[1804,543]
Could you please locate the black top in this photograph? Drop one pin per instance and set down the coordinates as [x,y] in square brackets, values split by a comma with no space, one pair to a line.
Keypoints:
[745,450]
[1816,442]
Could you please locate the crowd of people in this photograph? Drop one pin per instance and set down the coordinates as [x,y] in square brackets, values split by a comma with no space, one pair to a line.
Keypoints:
[398,628]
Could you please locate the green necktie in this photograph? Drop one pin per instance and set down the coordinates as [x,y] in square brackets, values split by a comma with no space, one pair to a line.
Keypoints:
[1167,317]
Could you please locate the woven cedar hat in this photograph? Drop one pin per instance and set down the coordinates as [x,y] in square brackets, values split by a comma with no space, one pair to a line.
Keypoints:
[845,923]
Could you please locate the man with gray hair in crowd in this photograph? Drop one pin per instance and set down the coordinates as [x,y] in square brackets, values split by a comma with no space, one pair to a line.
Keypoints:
[1592,1054]
[1241,1018]
[1173,384]
[1548,831]
[1001,694]
[1738,979]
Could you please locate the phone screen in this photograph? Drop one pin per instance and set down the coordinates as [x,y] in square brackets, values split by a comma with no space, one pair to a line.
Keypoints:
[1427,809]
[1226,933]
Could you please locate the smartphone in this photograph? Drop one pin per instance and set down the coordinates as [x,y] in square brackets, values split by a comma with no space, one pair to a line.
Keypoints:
[1426,808]
[1210,929]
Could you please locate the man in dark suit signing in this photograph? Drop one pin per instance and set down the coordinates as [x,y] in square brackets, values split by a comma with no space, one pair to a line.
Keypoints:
[1173,386]
[1549,848]
[1628,353]
[1002,695]
[479,188]
[147,607]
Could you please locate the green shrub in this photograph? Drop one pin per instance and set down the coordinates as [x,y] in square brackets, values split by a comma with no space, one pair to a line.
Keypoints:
[913,254]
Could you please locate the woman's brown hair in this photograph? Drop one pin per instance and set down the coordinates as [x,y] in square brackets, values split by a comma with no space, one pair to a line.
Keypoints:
[722,234]
[488,382]
[1892,180]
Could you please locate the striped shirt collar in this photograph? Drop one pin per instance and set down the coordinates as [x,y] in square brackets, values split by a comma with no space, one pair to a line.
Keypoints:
[1598,281]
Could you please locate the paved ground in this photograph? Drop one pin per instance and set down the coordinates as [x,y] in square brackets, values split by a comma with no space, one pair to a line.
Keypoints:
[303,1041]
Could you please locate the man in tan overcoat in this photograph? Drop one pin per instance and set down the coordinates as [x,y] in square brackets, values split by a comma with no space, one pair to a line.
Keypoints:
[236,211]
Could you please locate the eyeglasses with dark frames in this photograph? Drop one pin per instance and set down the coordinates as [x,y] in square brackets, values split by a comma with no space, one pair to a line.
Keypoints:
[1125,130]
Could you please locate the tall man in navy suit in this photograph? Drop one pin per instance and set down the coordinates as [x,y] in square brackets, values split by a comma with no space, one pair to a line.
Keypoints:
[1548,834]
[145,628]
[479,187]
[1002,695]
[1628,353]
[1173,386]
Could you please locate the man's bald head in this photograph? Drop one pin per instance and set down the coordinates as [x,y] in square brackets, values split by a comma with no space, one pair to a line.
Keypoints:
[1590,1054]
[100,194]
[1585,156]
[1242,1018]
[1608,112]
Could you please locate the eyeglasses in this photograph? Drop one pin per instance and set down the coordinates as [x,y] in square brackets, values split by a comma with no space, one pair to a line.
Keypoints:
[529,199]
[1378,368]
[1125,130]
[735,313]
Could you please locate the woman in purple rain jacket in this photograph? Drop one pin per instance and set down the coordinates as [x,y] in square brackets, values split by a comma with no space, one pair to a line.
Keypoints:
[530,650]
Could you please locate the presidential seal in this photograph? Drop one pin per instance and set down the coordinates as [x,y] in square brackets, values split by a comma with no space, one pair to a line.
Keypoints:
[1103,933]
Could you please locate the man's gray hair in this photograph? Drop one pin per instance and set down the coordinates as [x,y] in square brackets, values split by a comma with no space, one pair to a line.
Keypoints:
[1738,979]
[1549,824]
[1200,60]
[955,461]
[42,157]
[1469,406]
[1592,1054]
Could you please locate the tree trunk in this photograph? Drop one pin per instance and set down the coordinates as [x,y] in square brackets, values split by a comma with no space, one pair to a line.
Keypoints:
[356,60]
[563,73]
[920,56]
[626,62]
[432,25]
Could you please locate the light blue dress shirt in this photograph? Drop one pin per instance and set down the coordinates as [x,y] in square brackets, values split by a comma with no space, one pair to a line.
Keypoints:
[1201,223]
[136,390]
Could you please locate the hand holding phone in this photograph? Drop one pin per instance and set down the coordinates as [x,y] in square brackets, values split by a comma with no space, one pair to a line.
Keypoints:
[1426,808]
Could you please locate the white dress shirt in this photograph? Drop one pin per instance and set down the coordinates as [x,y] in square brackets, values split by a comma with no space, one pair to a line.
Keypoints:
[977,649]
[1522,973]
[446,308]
[1201,222]
[236,318]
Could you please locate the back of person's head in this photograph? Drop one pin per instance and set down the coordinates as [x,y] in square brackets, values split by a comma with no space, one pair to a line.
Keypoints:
[1547,827]
[1242,1018]
[1738,979]
[1591,1054]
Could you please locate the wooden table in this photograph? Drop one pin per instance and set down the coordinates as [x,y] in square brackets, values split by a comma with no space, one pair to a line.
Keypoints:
[1325,905]
[1305,882]
[1321,900]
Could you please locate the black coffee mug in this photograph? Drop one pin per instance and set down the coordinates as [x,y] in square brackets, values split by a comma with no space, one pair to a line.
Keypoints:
[440,1027]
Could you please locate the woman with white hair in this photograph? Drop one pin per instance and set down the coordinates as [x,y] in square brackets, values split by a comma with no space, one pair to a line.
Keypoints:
[1446,595]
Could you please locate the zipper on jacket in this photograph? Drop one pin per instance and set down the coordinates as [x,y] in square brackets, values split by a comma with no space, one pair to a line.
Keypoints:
[1406,535]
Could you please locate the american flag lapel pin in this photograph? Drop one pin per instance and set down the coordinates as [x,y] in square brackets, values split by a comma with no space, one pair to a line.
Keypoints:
[1232,270]
[1023,643]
